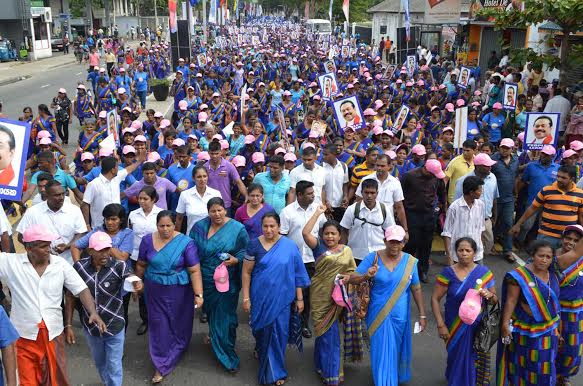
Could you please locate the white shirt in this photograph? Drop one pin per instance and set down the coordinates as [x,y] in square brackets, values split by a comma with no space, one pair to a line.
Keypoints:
[37,199]
[462,221]
[5,225]
[317,175]
[336,177]
[36,298]
[559,104]
[293,219]
[101,192]
[66,223]
[390,191]
[364,237]
[191,204]
[142,225]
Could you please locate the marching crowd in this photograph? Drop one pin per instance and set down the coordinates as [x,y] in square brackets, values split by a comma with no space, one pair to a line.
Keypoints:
[321,221]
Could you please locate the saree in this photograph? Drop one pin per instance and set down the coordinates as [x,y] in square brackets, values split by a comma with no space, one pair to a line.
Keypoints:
[529,359]
[281,270]
[170,304]
[464,365]
[326,314]
[571,325]
[390,332]
[221,307]
[252,224]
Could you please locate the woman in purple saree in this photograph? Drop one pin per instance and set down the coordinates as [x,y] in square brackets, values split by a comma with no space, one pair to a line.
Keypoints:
[251,213]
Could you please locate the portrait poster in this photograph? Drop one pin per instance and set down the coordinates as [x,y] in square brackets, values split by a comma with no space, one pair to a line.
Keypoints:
[319,127]
[240,41]
[400,119]
[345,52]
[374,52]
[464,78]
[113,125]
[345,41]
[14,143]
[460,133]
[411,65]
[255,40]
[510,96]
[389,71]
[352,51]
[348,113]
[330,66]
[541,129]
[328,85]
[324,45]
[202,60]
[242,99]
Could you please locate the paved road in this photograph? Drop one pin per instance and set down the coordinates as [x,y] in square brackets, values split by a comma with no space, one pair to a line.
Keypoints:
[199,367]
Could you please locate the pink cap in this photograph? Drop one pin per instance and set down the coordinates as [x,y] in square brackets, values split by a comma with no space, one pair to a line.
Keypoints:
[99,241]
[441,86]
[291,157]
[433,166]
[377,130]
[43,134]
[121,90]
[378,76]
[470,307]
[314,134]
[257,157]
[391,154]
[128,149]
[202,116]
[420,82]
[389,133]
[82,87]
[308,144]
[193,136]
[101,69]
[224,144]
[568,153]
[409,84]
[350,85]
[221,278]
[483,159]
[520,137]
[137,124]
[183,105]
[419,149]
[447,128]
[153,156]
[140,138]
[279,150]
[239,161]
[477,93]
[395,233]
[45,141]
[317,97]
[475,104]
[105,152]
[85,156]
[122,70]
[203,156]
[178,142]
[575,227]
[62,91]
[460,103]
[217,136]
[249,139]
[449,107]
[576,145]
[158,114]
[378,104]
[286,93]
[102,114]
[507,142]
[548,150]
[164,123]
[37,232]
[216,94]
[497,106]
[130,130]
[369,112]
[399,81]
[204,106]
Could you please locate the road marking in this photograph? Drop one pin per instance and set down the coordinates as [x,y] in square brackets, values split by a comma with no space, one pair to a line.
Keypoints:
[46,85]
[79,73]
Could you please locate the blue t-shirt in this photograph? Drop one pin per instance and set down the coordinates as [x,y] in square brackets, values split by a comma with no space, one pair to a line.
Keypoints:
[67,181]
[141,85]
[8,335]
[495,124]
[538,176]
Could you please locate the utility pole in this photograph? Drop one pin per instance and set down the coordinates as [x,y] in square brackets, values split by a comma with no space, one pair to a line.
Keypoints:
[204,27]
[89,13]
[156,15]
[111,26]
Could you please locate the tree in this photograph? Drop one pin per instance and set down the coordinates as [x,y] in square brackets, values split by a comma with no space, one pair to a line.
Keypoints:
[567,14]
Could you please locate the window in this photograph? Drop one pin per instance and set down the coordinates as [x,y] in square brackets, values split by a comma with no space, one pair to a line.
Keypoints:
[383,29]
[40,29]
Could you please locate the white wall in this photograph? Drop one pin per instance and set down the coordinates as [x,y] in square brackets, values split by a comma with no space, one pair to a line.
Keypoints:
[537,41]
[392,21]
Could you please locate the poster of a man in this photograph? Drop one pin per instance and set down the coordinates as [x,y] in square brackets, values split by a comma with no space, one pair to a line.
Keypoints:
[348,113]
[202,59]
[464,77]
[328,85]
[345,51]
[411,64]
[329,66]
[13,150]
[112,125]
[389,71]
[401,117]
[510,95]
[541,129]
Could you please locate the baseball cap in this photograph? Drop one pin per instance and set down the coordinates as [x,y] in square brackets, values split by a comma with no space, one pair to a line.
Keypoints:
[419,150]
[217,136]
[257,157]
[183,105]
[369,112]
[37,232]
[507,142]
[203,106]
[576,145]
[82,87]
[447,128]
[548,150]
[216,94]
[449,107]
[574,227]
[122,70]
[43,134]
[286,93]
[130,130]
[105,152]
[395,233]
[520,137]
[378,104]
[470,307]
[178,142]
[290,157]
[128,149]
[62,91]
[164,123]
[153,157]
[137,124]
[99,241]
[122,90]
[497,106]
[239,161]
[377,130]
[224,144]
[140,138]
[158,114]
[483,159]
[409,84]
[460,102]
[391,154]
[86,155]
[389,133]
[569,153]
[249,139]
[202,116]
[45,141]
[433,166]
[313,134]
[203,156]
[221,278]
[279,150]
[317,97]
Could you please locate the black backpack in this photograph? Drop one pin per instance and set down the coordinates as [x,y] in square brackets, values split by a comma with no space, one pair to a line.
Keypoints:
[365,221]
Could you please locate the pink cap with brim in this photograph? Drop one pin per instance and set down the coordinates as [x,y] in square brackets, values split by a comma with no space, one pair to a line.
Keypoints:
[470,307]
[249,139]
[290,157]
[575,227]
[520,137]
[158,114]
[127,130]
[178,142]
[369,112]
[99,241]
[224,144]
[37,232]
[399,81]
[409,84]
[153,157]
[82,87]
[279,150]
[313,134]
[193,136]
[460,102]
[377,130]
[217,137]
[395,233]
[441,87]
[548,150]
[391,154]
[105,152]
[497,106]
[164,123]
[43,134]
[128,149]
[389,133]
[475,104]
[419,150]
[477,93]
[140,138]
[483,159]
[203,156]
[257,157]
[62,91]
[568,153]
[378,104]
[286,93]
[137,124]
[449,107]
[87,156]
[317,97]
[221,278]
[202,116]
[183,105]
[45,141]
[308,144]
[239,161]
[507,142]
[433,166]
[576,145]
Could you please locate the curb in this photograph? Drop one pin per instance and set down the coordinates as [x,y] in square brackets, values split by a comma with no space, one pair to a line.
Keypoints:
[62,64]
[15,79]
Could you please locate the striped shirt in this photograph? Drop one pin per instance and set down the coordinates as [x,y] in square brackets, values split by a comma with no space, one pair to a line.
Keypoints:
[359,172]
[559,208]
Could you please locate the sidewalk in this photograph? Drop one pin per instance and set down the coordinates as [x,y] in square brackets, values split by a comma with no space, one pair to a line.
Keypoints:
[11,72]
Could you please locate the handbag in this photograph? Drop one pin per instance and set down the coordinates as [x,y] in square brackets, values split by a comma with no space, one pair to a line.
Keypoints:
[361,295]
[340,294]
[488,330]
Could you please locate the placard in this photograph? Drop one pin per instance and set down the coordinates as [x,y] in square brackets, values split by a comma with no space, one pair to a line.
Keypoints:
[401,118]
[510,96]
[113,125]
[541,129]
[411,65]
[344,53]
[464,78]
[328,85]
[460,133]
[202,60]
[14,143]
[330,66]
[348,113]
[319,127]
[389,71]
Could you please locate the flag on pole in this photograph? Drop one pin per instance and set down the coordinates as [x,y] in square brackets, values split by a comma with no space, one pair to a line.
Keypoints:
[212,19]
[172,15]
[330,10]
[345,8]
[407,20]
[193,3]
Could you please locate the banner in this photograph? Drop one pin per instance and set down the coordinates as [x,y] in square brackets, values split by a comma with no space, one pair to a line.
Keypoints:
[541,129]
[461,127]
[330,10]
[346,8]
[14,138]
[212,19]
[407,19]
[442,11]
[172,16]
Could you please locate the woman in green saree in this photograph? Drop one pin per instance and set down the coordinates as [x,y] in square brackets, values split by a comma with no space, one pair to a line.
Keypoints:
[220,239]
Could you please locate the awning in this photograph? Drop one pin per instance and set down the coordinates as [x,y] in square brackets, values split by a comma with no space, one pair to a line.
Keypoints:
[550,26]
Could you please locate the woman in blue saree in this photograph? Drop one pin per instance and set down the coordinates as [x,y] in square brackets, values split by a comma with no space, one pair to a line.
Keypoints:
[464,365]
[528,347]
[169,265]
[274,262]
[217,237]
[251,213]
[388,318]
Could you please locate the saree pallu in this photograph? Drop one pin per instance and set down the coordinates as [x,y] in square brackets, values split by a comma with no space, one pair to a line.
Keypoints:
[571,326]
[221,307]
[170,304]
[529,359]
[328,351]
[281,270]
[464,365]
[104,98]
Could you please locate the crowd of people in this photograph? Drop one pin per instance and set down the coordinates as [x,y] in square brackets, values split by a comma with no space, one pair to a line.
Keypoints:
[256,193]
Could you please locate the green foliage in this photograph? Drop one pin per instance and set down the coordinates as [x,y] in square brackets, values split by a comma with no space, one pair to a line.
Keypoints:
[320,8]
[159,82]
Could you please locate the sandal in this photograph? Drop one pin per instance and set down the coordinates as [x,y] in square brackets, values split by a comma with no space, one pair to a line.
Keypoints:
[509,257]
[279,382]
[157,378]
[206,339]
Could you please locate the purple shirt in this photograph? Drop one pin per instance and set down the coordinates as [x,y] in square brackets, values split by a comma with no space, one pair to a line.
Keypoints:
[162,185]
[222,178]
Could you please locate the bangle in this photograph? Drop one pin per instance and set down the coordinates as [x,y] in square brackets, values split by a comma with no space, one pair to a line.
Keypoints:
[422,317]
[299,300]
[246,300]
[440,325]
[69,325]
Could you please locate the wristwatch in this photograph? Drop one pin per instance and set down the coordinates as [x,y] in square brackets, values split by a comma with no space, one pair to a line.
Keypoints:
[199,296]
